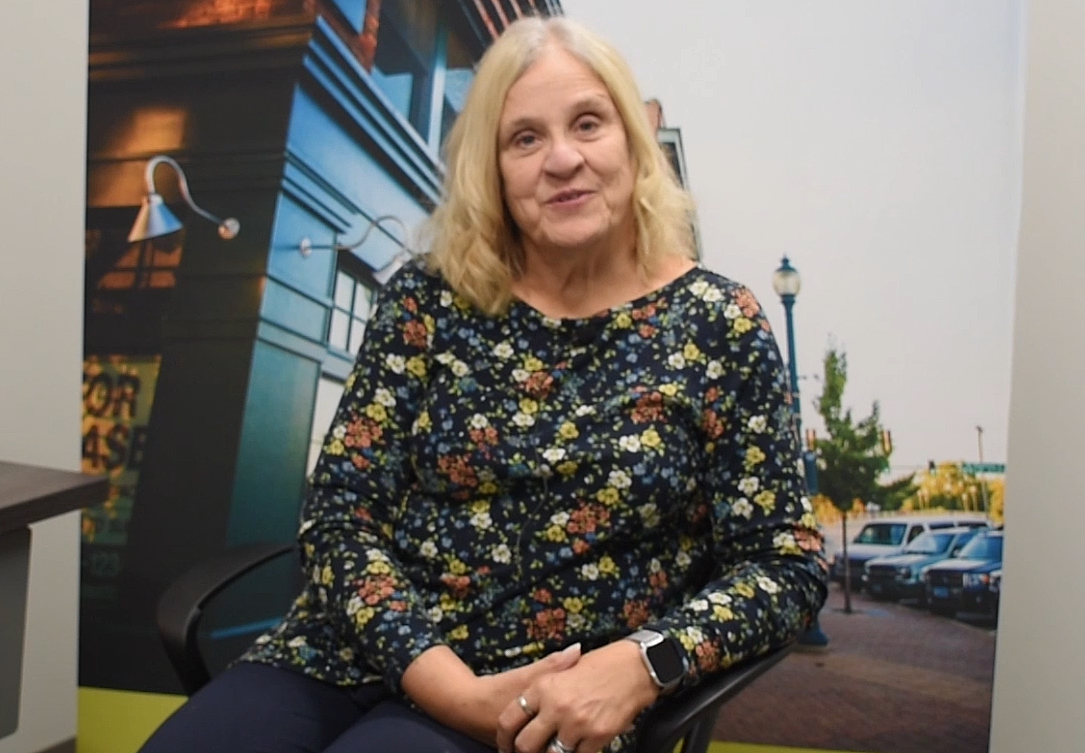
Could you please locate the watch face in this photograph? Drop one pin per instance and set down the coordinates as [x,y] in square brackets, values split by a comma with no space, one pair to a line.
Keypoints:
[666,661]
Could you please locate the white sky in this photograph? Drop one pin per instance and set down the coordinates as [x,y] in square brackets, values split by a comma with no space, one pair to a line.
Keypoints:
[878,145]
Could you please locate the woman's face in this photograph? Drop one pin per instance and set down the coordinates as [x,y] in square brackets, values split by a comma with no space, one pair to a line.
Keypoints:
[564,158]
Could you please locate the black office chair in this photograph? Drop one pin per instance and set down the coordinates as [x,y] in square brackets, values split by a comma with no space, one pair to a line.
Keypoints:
[687,718]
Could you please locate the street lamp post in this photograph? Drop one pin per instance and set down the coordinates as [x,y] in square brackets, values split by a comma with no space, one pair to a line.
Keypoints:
[787,283]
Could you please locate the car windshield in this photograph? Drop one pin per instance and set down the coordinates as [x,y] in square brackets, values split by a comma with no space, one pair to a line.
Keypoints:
[983,548]
[960,542]
[930,543]
[887,534]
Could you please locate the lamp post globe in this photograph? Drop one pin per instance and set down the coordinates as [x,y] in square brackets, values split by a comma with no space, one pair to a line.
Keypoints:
[786,280]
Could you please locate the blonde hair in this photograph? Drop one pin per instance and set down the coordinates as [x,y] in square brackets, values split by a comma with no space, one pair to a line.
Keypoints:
[472,238]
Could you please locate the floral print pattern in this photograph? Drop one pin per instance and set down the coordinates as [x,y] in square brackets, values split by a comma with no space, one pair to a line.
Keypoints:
[508,485]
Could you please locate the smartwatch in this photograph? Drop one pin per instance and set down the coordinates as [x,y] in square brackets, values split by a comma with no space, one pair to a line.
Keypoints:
[664,661]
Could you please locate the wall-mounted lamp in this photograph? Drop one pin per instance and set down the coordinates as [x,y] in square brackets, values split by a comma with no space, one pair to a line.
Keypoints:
[306,247]
[155,219]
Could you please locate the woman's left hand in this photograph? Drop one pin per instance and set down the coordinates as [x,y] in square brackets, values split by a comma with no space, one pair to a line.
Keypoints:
[584,707]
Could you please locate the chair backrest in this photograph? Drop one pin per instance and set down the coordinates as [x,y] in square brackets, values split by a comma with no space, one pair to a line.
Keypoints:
[687,718]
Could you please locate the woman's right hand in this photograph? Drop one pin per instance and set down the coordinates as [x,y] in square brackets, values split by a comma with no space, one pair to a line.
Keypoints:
[445,688]
[496,692]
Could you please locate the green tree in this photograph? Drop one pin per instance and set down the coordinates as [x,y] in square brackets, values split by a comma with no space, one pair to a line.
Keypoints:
[893,495]
[853,455]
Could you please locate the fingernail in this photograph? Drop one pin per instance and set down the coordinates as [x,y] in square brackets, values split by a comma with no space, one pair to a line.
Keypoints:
[571,649]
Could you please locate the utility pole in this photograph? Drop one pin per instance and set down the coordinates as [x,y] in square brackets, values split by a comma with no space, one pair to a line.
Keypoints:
[983,481]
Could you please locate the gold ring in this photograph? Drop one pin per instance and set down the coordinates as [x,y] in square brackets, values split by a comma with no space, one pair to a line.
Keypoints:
[528,709]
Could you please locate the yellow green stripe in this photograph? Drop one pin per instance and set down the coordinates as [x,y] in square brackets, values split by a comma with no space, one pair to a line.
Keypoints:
[721,747]
[119,721]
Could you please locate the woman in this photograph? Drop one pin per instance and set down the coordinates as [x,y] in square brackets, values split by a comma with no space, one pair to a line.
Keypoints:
[562,479]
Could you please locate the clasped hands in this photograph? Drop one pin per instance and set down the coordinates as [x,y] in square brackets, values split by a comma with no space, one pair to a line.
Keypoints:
[563,703]
[570,702]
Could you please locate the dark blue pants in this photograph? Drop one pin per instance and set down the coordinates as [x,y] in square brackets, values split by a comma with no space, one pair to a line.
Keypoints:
[252,708]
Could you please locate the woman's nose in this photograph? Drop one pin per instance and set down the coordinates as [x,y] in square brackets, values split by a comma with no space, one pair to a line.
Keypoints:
[563,157]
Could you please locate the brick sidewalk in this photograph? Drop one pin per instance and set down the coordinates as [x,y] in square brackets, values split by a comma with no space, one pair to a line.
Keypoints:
[895,679]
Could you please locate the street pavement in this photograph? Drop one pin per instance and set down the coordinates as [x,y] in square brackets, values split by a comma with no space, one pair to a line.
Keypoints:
[894,679]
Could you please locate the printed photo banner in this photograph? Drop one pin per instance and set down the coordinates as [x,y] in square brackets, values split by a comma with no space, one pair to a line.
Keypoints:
[838,136]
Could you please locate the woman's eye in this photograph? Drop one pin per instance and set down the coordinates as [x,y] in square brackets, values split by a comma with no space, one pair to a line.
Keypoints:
[524,139]
[587,125]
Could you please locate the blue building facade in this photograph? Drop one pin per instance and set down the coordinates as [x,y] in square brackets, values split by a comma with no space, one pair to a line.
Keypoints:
[213,366]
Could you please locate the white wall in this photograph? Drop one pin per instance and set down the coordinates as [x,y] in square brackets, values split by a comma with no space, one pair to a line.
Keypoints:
[42,173]
[877,144]
[1040,664]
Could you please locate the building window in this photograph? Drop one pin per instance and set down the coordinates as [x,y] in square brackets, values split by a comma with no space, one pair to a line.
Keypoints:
[670,140]
[146,264]
[351,306]
[404,62]
[459,74]
[424,64]
[328,393]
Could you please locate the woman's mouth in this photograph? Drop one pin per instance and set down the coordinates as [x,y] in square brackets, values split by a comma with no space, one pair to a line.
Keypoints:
[570,197]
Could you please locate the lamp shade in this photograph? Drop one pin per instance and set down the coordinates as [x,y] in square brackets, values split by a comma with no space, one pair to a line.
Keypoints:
[154,219]
[786,280]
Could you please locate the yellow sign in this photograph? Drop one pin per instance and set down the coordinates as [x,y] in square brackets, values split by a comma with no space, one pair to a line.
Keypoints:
[118,392]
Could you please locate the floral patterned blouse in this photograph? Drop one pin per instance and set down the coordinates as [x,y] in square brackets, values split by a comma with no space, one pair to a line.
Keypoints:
[509,485]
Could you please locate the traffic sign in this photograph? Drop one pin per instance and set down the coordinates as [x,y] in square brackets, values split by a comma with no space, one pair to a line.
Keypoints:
[983,467]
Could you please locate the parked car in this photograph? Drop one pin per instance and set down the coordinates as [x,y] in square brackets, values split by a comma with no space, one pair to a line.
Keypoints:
[897,576]
[963,583]
[886,536]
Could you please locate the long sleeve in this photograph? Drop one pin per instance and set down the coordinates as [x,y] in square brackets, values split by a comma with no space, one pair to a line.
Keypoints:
[360,482]
[769,577]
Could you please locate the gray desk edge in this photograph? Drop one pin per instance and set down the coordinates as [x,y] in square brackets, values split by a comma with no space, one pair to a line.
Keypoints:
[29,494]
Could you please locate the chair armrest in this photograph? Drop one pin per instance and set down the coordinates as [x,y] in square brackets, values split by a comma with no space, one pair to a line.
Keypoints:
[180,606]
[671,720]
